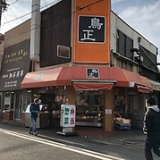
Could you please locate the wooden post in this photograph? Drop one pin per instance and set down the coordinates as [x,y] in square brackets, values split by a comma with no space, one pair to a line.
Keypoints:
[108,110]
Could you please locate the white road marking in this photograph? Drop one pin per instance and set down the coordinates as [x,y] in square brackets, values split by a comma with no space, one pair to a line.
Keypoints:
[62,146]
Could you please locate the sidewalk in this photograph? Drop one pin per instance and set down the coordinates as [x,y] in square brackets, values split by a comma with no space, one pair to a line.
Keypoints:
[131,137]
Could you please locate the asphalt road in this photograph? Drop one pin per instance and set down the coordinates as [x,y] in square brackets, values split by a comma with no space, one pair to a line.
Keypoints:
[17,144]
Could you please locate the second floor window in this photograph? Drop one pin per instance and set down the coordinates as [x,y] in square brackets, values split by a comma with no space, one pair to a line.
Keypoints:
[124,45]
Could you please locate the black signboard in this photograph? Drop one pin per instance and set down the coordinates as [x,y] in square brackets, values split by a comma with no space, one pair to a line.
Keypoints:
[15,65]
[92,73]
[91,29]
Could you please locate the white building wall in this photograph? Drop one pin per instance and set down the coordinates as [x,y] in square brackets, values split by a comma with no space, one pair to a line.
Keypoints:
[118,23]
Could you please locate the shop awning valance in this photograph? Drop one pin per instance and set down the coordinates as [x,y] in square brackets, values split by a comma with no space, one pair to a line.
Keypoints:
[92,86]
[64,76]
[155,85]
[142,89]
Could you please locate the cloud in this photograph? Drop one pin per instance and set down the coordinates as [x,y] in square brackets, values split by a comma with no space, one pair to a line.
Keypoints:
[117,1]
[15,14]
[145,20]
[19,12]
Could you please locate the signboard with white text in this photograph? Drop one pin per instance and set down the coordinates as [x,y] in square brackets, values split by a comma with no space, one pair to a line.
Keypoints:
[68,115]
[91,29]
[15,65]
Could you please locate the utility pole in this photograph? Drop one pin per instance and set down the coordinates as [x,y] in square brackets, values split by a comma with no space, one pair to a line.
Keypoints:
[3,7]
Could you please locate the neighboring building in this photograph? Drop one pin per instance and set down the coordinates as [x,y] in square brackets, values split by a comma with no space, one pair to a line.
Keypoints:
[1,57]
[15,65]
[87,56]
[131,51]
[1,49]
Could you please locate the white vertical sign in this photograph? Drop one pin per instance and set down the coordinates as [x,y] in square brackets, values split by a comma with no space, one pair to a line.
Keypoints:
[68,115]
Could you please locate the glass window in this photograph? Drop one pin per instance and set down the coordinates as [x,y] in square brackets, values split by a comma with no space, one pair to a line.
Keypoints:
[27,99]
[89,108]
[7,101]
[124,45]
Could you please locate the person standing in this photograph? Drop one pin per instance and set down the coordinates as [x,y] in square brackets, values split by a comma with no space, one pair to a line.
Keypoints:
[34,109]
[152,129]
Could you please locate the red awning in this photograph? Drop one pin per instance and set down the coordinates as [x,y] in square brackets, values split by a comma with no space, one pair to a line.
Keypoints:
[142,89]
[62,76]
[46,78]
[92,86]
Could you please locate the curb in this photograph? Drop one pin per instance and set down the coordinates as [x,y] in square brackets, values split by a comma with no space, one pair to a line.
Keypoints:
[120,142]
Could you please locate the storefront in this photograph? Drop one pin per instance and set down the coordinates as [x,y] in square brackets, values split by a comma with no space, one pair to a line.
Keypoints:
[15,64]
[89,108]
[14,104]
[96,92]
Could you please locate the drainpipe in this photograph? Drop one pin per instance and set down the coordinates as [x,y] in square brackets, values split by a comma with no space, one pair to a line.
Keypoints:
[35,31]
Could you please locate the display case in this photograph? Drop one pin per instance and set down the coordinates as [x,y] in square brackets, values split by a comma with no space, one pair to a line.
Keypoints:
[89,108]
[89,116]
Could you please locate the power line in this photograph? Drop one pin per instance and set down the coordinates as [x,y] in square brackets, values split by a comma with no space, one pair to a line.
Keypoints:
[7,20]
[26,14]
[13,12]
[13,2]
[16,18]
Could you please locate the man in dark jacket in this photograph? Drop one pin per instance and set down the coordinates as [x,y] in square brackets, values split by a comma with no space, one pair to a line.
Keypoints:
[34,109]
[152,129]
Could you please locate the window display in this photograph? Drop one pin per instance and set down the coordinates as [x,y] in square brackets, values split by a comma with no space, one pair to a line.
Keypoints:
[89,108]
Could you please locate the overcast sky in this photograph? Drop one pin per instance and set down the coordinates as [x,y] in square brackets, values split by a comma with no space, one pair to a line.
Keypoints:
[142,15]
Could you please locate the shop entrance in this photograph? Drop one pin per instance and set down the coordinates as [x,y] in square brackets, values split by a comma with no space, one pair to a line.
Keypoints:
[89,108]
[47,100]
[122,117]
[137,110]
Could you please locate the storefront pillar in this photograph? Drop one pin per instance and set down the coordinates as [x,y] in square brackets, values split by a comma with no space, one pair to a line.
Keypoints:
[109,109]
[126,101]
[70,95]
